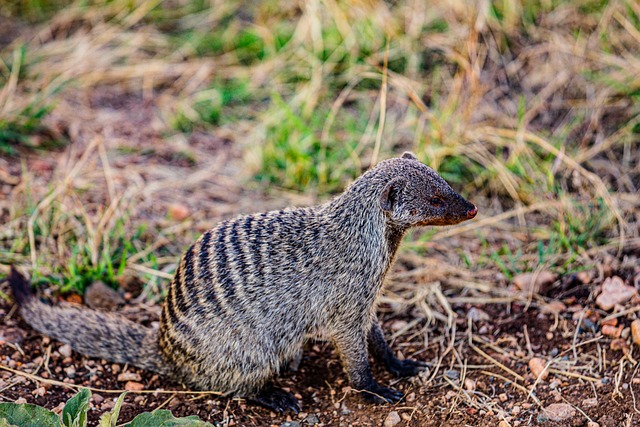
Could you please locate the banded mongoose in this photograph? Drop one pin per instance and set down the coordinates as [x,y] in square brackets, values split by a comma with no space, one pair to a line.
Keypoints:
[250,291]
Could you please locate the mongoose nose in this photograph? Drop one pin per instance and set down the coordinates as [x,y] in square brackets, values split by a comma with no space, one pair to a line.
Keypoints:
[473,212]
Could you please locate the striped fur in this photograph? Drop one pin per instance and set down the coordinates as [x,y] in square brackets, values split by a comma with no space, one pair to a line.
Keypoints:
[248,293]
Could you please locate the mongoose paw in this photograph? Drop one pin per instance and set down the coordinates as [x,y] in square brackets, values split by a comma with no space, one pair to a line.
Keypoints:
[276,399]
[381,395]
[405,368]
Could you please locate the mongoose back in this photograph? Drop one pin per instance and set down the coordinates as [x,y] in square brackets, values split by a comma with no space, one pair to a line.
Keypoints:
[248,292]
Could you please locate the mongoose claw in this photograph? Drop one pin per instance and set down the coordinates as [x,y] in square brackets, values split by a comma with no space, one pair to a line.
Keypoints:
[381,395]
[276,399]
[405,368]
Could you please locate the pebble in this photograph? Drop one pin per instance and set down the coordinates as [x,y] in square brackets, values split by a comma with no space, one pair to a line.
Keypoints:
[452,374]
[399,325]
[614,291]
[557,412]
[537,365]
[102,297]
[593,424]
[392,419]
[612,331]
[477,315]
[553,307]
[534,282]
[133,386]
[503,423]
[11,335]
[411,397]
[619,344]
[635,331]
[312,420]
[469,384]
[178,212]
[129,376]
[65,350]
[503,397]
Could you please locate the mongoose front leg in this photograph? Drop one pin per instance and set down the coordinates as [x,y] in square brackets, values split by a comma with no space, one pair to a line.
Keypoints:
[383,353]
[276,399]
[352,346]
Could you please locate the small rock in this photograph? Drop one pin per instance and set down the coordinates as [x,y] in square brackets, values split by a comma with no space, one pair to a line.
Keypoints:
[558,412]
[97,398]
[593,424]
[584,276]
[102,297]
[635,331]
[591,402]
[312,420]
[612,331]
[614,291]
[503,397]
[619,344]
[65,350]
[178,212]
[11,335]
[553,307]
[477,315]
[452,374]
[290,424]
[40,391]
[469,384]
[537,365]
[612,322]
[503,423]
[399,325]
[129,376]
[516,410]
[412,396]
[392,419]
[534,282]
[133,386]
[74,299]
[21,400]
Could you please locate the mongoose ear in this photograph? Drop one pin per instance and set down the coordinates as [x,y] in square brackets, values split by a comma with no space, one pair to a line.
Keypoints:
[391,193]
[409,155]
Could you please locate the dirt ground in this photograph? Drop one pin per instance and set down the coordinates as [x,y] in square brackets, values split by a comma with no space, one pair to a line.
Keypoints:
[470,380]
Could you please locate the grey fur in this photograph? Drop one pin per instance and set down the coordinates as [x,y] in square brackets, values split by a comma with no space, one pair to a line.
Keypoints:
[249,292]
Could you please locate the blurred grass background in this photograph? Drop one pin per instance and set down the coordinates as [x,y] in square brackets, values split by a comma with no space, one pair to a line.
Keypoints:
[531,109]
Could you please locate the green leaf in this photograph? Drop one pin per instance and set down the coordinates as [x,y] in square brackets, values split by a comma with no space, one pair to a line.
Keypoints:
[5,423]
[109,419]
[74,413]
[164,418]
[27,415]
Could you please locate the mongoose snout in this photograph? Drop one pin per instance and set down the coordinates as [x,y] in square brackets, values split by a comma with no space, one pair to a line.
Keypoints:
[249,292]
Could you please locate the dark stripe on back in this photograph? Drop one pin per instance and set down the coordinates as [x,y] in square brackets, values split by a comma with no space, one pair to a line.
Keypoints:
[238,255]
[205,276]
[222,263]
[254,246]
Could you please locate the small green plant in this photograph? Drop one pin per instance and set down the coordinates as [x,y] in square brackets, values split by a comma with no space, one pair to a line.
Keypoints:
[74,414]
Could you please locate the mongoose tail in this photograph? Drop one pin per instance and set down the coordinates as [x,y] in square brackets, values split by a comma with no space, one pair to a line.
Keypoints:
[92,333]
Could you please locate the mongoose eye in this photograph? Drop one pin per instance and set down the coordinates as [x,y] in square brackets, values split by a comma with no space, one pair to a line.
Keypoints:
[437,201]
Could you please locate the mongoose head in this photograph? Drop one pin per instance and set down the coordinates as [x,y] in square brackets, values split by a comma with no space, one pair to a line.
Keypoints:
[416,195]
